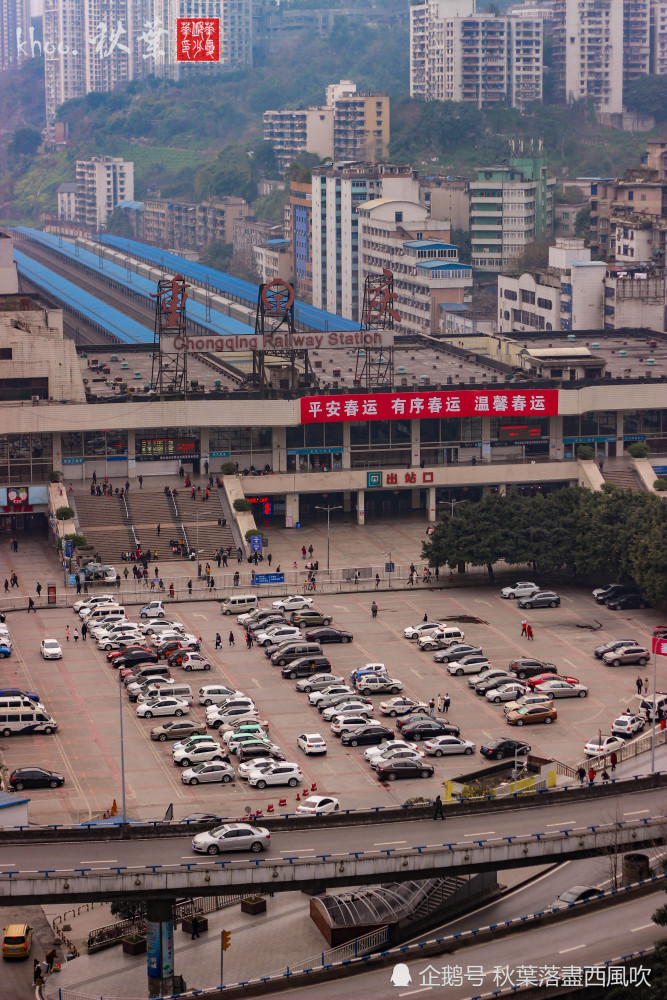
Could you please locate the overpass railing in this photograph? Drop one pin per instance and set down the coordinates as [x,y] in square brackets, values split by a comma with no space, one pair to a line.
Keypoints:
[359,946]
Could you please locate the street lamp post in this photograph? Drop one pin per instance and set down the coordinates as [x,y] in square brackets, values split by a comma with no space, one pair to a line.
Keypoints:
[122,745]
[389,571]
[198,562]
[328,510]
[452,503]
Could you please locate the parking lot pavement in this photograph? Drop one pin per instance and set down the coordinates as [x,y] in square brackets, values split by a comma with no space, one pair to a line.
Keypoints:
[81,692]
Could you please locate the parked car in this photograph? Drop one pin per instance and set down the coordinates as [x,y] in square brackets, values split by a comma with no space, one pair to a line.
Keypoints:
[311,743]
[368,668]
[232,837]
[318,682]
[332,691]
[215,694]
[204,773]
[522,588]
[603,744]
[305,666]
[162,706]
[35,777]
[440,746]
[501,747]
[402,706]
[628,724]
[347,722]
[389,744]
[328,634]
[557,688]
[393,769]
[336,700]
[543,599]
[529,698]
[195,661]
[318,805]
[603,594]
[509,691]
[422,628]
[155,626]
[297,602]
[276,633]
[351,706]
[50,649]
[528,667]
[629,654]
[529,714]
[388,756]
[278,773]
[154,609]
[473,663]
[179,728]
[366,736]
[93,602]
[455,652]
[428,729]
[253,751]
[378,684]
[309,617]
[195,753]
[489,674]
[626,602]
[534,682]
[612,646]
[134,658]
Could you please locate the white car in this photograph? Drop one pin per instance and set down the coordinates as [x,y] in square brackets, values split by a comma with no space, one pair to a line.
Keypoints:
[607,744]
[441,745]
[191,741]
[255,764]
[257,732]
[195,661]
[523,588]
[506,692]
[278,773]
[194,753]
[348,723]
[628,724]
[311,743]
[530,698]
[229,719]
[159,626]
[213,770]
[423,628]
[318,805]
[316,696]
[351,707]
[472,664]
[393,754]
[50,649]
[100,629]
[162,706]
[376,751]
[154,609]
[187,641]
[278,634]
[93,602]
[214,694]
[232,837]
[120,641]
[318,682]
[294,603]
[402,706]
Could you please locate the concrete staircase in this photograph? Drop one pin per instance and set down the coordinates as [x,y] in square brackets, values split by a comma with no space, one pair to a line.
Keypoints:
[212,535]
[625,478]
[105,525]
[148,508]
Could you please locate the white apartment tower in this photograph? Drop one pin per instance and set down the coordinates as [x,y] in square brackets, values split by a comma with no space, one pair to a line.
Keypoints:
[588,51]
[101,183]
[458,55]
[14,28]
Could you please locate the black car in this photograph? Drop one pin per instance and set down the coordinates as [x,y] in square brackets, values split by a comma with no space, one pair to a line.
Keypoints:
[612,646]
[424,730]
[305,666]
[276,619]
[328,634]
[369,736]
[169,649]
[529,668]
[404,769]
[626,601]
[604,594]
[35,777]
[133,657]
[501,747]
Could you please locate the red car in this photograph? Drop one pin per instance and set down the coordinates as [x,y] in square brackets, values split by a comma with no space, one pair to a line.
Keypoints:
[532,682]
[112,654]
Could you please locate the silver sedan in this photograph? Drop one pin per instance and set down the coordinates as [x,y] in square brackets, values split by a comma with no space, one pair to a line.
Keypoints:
[232,837]
[562,689]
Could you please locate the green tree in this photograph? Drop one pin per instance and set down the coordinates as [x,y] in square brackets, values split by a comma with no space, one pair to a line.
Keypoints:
[647,95]
[119,224]
[582,223]
[25,142]
[218,255]
[265,160]
[463,240]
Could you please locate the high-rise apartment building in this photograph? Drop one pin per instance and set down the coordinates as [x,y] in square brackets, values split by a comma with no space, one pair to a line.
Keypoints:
[300,232]
[291,133]
[458,55]
[14,30]
[588,51]
[95,45]
[101,183]
[511,206]
[337,192]
[659,37]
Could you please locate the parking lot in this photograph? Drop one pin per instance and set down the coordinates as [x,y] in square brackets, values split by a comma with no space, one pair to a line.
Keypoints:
[81,692]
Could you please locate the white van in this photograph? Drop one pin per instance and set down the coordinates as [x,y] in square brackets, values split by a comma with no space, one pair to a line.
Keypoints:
[26,721]
[239,604]
[182,691]
[660,703]
[445,636]
[102,612]
[18,702]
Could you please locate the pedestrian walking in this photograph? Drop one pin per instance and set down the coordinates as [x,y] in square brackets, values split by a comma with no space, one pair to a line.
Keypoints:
[437,808]
[50,958]
[206,467]
[237,577]
[38,589]
[374,610]
[31,605]
[126,572]
[377,580]
[431,708]
[239,555]
[439,702]
[76,635]
[356,577]
[36,971]
[218,641]
[67,632]
[581,774]
[231,638]
[601,465]
[645,683]
[451,577]
[613,760]
[94,478]
[248,640]
[171,590]
[158,530]
[591,776]
[639,684]
[425,618]
[268,558]
[303,551]
[6,585]
[127,485]
[190,588]
[310,550]
[78,585]
[529,632]
[605,776]
[524,627]
[446,702]
[195,927]
[84,631]
[141,482]
[224,558]
[410,580]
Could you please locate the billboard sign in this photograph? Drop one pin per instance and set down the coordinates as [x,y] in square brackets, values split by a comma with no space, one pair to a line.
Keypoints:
[329,340]
[417,405]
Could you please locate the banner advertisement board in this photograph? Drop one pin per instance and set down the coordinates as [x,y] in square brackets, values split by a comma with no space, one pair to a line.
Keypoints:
[417,405]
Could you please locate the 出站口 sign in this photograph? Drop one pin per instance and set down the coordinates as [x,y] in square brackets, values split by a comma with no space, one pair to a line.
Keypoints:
[414,405]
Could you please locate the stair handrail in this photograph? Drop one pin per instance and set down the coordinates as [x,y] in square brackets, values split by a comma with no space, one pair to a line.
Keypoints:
[179,520]
[129,521]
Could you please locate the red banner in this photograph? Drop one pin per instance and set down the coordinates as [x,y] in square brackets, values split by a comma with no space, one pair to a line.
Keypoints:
[659,646]
[415,405]
[197,39]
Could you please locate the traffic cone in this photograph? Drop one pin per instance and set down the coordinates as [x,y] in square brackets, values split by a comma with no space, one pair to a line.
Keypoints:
[313,787]
[298,797]
[114,808]
[269,808]
[258,813]
[282,802]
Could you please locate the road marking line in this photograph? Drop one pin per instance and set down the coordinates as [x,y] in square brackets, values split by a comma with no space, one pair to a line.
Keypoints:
[644,927]
[416,673]
[411,993]
[388,843]
[484,833]
[561,822]
[577,947]
[570,664]
[637,812]
[100,861]
[299,849]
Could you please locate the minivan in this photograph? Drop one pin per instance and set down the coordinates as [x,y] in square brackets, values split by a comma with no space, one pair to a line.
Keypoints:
[18,701]
[306,666]
[24,720]
[294,651]
[660,703]
[101,612]
[182,691]
[239,604]
[17,941]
